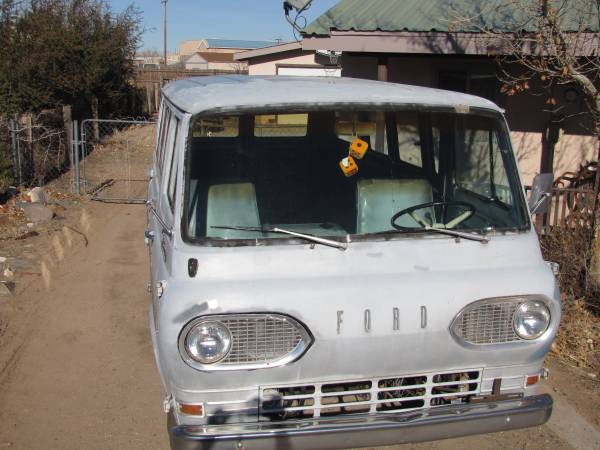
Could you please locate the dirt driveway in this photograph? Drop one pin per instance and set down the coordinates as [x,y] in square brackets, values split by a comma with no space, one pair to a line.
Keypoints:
[81,374]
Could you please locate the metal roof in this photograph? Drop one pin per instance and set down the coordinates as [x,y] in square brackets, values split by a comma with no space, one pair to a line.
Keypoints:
[443,16]
[279,48]
[221,94]
[237,43]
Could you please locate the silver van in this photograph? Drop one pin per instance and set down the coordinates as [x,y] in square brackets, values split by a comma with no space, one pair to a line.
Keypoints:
[342,263]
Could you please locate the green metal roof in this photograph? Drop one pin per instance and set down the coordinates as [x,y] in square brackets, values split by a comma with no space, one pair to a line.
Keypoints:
[444,16]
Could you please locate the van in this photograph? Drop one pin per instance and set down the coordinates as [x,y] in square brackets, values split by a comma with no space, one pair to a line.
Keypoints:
[342,263]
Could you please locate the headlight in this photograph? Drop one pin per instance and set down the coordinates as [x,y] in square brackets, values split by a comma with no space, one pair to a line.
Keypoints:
[208,341]
[531,319]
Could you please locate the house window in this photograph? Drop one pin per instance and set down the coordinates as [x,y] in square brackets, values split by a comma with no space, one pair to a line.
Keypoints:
[485,85]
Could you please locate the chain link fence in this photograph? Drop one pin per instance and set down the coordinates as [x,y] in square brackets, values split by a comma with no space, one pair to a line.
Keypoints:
[114,159]
[35,151]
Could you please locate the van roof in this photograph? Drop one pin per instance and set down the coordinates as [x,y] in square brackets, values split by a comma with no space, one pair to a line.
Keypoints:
[224,94]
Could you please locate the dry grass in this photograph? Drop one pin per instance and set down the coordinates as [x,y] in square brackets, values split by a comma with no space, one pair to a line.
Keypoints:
[578,340]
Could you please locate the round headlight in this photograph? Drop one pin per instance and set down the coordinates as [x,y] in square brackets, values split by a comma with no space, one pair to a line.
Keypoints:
[208,342]
[531,319]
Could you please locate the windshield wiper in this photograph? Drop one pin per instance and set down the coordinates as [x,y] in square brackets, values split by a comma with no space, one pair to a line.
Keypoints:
[458,234]
[308,237]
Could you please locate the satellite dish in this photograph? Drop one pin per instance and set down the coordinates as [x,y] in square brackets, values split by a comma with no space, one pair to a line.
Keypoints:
[298,5]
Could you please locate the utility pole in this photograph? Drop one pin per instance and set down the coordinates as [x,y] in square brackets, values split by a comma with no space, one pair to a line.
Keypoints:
[164,2]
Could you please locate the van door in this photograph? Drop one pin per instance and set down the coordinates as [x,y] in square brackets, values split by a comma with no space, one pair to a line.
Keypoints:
[162,203]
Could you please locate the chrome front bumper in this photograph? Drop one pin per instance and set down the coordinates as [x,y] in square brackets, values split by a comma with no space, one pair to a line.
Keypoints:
[367,430]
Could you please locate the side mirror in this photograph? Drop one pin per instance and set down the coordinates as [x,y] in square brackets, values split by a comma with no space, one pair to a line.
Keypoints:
[541,192]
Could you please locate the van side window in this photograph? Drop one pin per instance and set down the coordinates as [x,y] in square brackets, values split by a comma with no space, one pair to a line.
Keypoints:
[409,140]
[172,184]
[479,161]
[162,137]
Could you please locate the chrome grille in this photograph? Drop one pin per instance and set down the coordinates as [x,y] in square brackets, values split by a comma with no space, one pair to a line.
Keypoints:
[257,340]
[260,339]
[389,394]
[487,323]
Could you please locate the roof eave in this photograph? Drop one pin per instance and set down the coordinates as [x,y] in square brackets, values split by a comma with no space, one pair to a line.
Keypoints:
[425,42]
[264,51]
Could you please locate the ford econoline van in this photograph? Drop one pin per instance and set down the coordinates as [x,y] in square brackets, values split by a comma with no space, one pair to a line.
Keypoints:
[342,263]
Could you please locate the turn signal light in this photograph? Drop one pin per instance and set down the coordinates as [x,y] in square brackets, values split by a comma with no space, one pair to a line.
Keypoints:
[191,410]
[531,380]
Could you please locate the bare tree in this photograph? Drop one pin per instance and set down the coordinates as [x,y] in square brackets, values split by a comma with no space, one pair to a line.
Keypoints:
[540,45]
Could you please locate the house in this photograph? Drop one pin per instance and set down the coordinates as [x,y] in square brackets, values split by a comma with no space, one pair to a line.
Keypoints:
[212,45]
[288,59]
[211,61]
[425,42]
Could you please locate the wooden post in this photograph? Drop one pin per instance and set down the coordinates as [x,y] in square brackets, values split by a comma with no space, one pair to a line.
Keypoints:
[156,97]
[148,98]
[95,116]
[382,68]
[28,166]
[382,75]
[67,115]
[550,137]
[595,260]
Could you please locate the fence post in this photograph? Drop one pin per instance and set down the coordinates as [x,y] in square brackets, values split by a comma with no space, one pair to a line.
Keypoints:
[149,98]
[68,125]
[95,116]
[76,181]
[15,153]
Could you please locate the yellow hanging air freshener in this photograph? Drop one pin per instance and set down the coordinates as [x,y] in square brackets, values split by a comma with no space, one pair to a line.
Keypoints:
[358,148]
[348,166]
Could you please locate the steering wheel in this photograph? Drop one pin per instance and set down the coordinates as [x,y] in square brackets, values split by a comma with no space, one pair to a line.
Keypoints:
[422,220]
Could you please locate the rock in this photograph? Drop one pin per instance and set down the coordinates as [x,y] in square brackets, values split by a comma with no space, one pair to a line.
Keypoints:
[8,273]
[6,288]
[593,376]
[2,259]
[27,235]
[37,195]
[36,212]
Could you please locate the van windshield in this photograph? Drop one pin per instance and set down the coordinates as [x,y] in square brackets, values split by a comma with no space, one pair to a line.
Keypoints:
[348,173]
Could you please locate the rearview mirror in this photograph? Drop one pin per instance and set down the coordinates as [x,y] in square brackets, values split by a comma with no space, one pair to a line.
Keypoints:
[541,192]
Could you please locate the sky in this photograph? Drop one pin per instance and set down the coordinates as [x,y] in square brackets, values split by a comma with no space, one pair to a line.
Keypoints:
[227,19]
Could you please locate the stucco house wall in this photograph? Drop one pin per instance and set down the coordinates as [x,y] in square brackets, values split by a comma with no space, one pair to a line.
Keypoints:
[268,66]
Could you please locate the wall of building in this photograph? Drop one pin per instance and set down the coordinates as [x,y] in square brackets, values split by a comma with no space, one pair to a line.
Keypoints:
[527,115]
[188,47]
[267,65]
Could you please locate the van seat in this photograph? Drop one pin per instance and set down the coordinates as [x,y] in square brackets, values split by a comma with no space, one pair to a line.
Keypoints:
[232,204]
[379,199]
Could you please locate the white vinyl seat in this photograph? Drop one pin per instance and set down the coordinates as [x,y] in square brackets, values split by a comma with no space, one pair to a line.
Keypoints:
[232,204]
[379,199]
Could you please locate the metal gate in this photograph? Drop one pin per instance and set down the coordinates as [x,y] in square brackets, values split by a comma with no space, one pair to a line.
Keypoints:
[114,157]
